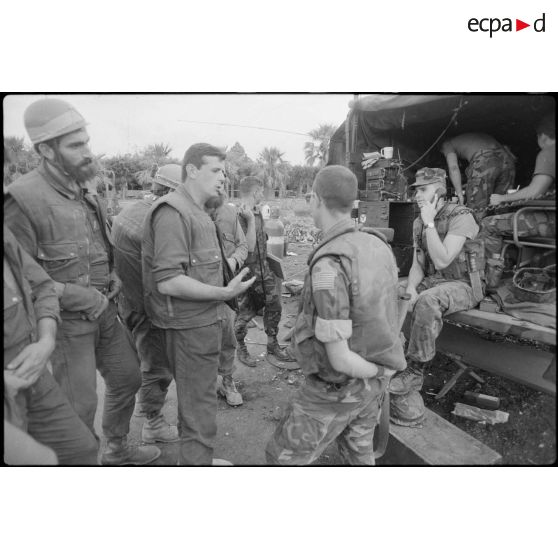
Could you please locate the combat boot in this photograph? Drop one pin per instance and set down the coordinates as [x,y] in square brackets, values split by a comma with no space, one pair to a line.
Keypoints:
[408,380]
[119,452]
[227,389]
[407,409]
[274,349]
[244,356]
[157,429]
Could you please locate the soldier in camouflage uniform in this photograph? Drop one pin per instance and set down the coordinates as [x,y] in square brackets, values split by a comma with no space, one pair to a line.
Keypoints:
[534,223]
[443,236]
[264,293]
[346,336]
[491,169]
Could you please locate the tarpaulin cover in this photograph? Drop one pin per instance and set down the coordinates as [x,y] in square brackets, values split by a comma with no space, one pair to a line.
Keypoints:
[413,123]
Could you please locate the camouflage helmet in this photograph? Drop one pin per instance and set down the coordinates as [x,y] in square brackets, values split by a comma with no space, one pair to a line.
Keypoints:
[168,176]
[47,119]
[427,175]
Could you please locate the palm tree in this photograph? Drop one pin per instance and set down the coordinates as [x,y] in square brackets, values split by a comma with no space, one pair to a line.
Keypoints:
[157,152]
[316,150]
[24,157]
[273,169]
[15,144]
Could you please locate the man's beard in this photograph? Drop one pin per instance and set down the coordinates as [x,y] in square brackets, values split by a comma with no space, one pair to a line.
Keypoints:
[215,202]
[80,173]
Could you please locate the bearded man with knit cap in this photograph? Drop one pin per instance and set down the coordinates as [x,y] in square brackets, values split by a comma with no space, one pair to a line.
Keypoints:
[63,225]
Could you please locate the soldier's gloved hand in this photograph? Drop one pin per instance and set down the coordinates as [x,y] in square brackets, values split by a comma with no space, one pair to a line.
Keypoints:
[461,199]
[115,284]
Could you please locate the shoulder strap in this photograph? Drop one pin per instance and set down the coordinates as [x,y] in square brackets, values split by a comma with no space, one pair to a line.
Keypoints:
[313,258]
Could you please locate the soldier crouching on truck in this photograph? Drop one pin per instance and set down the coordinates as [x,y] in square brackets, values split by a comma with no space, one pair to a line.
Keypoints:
[443,279]
[127,233]
[346,336]
[61,224]
[533,223]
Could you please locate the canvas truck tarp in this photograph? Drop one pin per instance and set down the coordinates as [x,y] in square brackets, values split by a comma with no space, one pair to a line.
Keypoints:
[414,123]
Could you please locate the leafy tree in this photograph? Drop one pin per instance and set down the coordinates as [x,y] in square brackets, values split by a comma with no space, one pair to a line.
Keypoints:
[24,156]
[316,149]
[301,179]
[157,152]
[238,165]
[273,170]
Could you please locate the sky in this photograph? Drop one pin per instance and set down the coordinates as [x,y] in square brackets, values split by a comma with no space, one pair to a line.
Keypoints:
[126,123]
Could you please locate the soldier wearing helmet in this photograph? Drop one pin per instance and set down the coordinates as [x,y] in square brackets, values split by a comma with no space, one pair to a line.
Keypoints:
[64,227]
[439,283]
[127,233]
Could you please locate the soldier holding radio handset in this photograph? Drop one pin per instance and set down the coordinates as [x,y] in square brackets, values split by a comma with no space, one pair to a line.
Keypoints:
[443,279]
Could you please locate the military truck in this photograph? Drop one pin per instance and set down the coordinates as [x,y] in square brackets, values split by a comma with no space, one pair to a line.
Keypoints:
[485,337]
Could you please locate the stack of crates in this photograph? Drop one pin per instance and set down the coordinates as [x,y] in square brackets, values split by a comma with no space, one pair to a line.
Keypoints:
[384,181]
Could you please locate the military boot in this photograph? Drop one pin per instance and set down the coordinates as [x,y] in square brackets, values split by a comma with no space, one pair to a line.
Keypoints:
[157,429]
[407,409]
[244,356]
[227,389]
[119,452]
[408,380]
[279,353]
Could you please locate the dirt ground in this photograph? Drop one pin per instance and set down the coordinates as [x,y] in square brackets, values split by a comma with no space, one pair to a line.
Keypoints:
[528,438]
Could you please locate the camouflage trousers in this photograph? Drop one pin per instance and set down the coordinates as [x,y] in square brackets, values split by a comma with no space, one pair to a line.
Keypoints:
[532,223]
[228,345]
[263,294]
[437,299]
[321,413]
[490,171]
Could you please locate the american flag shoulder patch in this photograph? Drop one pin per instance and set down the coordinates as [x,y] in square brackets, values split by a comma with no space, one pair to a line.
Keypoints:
[323,280]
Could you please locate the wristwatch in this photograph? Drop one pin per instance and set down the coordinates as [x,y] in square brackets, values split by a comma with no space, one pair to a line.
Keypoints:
[430,225]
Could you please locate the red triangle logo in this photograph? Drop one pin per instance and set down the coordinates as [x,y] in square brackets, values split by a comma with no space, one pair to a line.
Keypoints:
[519,25]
